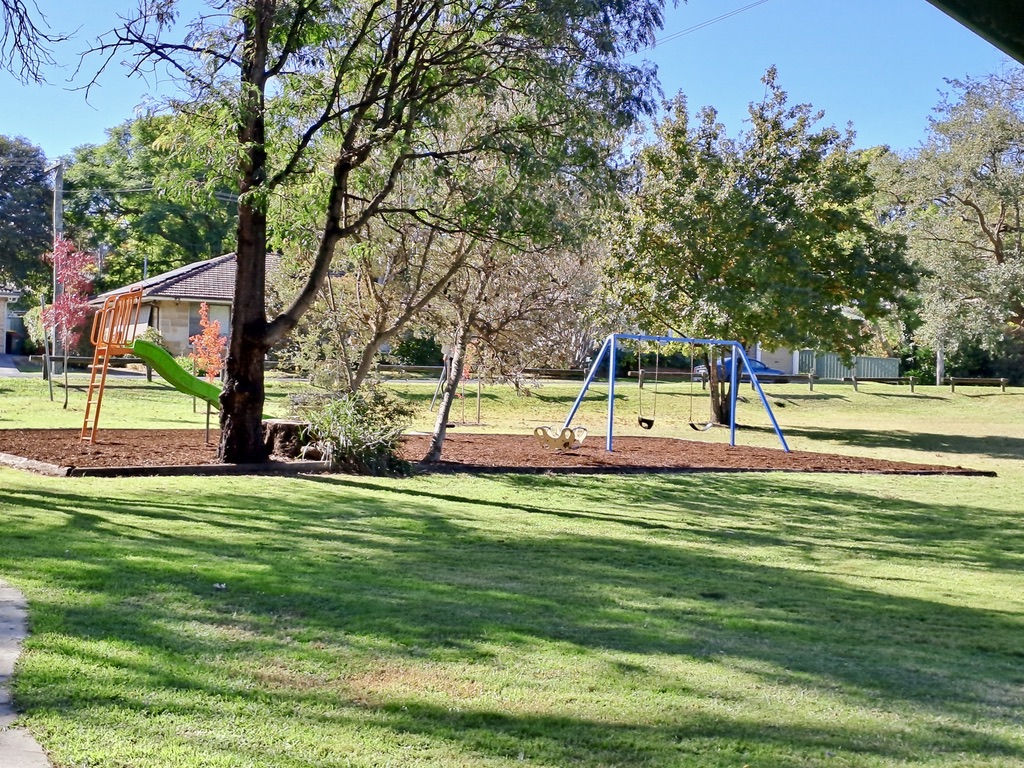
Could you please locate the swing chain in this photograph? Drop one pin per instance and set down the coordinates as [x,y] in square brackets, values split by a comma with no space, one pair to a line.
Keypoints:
[644,422]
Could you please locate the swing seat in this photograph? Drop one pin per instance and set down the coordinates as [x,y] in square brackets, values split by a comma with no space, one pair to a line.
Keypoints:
[646,423]
[569,439]
[702,427]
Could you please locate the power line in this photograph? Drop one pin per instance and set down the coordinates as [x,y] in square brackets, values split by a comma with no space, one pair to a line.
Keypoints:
[223,197]
[703,25]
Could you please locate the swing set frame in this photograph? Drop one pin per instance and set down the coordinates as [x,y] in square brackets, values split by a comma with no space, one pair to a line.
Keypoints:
[608,352]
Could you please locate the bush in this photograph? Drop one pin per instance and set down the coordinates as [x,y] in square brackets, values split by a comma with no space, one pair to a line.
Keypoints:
[358,431]
[189,364]
[417,350]
[1005,359]
[918,362]
[153,336]
[33,320]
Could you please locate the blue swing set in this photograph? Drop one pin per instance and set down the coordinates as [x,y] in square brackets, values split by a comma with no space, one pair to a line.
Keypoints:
[608,350]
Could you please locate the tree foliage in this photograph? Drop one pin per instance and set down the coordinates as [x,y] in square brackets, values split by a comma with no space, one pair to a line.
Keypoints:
[208,345]
[75,271]
[959,198]
[350,93]
[144,204]
[769,238]
[26,209]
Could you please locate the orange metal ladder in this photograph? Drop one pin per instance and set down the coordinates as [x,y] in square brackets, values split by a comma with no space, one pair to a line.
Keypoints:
[113,331]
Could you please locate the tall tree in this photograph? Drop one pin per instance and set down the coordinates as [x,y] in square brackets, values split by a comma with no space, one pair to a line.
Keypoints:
[26,210]
[143,206]
[351,92]
[770,238]
[410,252]
[961,197]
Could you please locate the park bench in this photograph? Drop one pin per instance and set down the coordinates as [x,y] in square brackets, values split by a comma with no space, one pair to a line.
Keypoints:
[857,380]
[769,378]
[953,381]
[776,378]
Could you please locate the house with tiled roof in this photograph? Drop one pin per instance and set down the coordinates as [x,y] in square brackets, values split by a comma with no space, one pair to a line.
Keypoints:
[171,300]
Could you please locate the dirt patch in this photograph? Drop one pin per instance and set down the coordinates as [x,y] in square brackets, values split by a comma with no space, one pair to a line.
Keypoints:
[647,454]
[114,448]
[462,452]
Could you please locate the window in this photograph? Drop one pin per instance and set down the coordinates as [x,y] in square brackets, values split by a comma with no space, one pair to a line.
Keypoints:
[219,312]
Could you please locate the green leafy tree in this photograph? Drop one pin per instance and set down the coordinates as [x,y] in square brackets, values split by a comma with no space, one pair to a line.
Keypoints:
[26,211]
[770,238]
[351,93]
[392,272]
[143,205]
[960,198]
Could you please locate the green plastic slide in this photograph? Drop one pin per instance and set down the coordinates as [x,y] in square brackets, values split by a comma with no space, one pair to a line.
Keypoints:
[161,361]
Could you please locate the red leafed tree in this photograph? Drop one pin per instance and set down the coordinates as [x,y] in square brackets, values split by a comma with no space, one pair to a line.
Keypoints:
[208,346]
[74,271]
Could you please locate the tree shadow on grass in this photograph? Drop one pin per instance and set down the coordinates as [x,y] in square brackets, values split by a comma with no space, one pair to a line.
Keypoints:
[360,572]
[996,447]
[425,397]
[975,395]
[899,394]
[695,738]
[593,396]
[799,399]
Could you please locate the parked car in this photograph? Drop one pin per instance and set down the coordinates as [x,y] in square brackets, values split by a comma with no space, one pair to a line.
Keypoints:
[760,370]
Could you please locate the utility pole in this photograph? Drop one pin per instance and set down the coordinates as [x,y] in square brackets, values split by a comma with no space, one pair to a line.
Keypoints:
[58,232]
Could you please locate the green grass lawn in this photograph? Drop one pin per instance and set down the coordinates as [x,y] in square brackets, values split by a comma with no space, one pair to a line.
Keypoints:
[763,620]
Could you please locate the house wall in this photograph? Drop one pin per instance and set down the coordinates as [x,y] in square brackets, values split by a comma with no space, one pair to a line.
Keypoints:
[172,322]
[178,321]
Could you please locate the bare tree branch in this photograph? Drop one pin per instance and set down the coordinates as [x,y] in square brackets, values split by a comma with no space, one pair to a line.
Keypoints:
[26,40]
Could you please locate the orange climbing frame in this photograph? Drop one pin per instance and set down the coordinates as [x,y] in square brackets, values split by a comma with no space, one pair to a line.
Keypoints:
[113,331]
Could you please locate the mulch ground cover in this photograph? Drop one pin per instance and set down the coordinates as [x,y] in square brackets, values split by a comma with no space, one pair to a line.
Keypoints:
[164,448]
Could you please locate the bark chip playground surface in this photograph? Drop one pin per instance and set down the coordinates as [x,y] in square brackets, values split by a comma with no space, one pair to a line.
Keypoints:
[154,451]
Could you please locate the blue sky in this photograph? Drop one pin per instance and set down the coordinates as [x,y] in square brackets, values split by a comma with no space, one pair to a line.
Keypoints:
[879,64]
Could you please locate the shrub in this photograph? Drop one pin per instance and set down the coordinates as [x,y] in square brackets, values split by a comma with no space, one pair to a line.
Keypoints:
[358,431]
[153,336]
[188,363]
[33,320]
[417,350]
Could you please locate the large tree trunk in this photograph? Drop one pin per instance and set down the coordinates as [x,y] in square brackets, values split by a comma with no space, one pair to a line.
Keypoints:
[719,390]
[241,413]
[451,388]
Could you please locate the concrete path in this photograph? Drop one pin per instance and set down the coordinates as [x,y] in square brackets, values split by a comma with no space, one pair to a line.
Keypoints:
[9,370]
[17,747]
